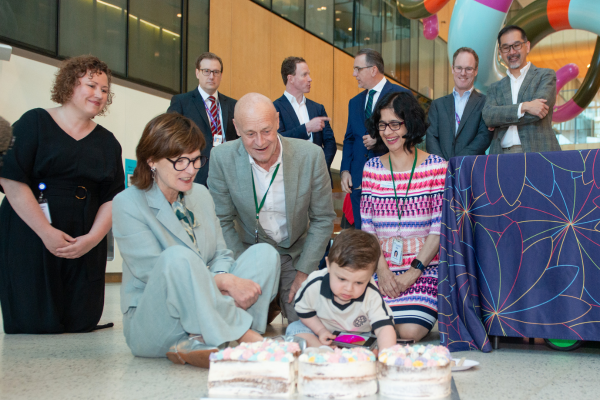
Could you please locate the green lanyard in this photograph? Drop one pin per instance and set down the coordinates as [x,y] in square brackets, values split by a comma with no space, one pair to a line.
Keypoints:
[407,189]
[262,203]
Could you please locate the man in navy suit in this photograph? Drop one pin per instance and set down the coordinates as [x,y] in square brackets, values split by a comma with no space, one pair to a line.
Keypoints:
[210,110]
[368,71]
[300,117]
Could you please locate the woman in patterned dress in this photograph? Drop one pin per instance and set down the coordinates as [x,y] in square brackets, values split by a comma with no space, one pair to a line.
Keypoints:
[405,220]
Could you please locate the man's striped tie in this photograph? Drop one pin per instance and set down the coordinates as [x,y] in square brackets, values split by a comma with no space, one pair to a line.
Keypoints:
[369,108]
[216,130]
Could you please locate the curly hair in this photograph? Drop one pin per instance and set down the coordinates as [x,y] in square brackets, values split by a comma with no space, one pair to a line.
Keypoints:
[407,109]
[67,78]
[165,136]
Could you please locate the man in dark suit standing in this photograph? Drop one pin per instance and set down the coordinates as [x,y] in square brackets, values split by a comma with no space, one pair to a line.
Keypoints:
[520,105]
[210,110]
[456,127]
[368,71]
[299,117]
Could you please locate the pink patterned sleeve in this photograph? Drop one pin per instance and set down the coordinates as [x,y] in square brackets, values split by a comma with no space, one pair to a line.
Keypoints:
[366,206]
[437,197]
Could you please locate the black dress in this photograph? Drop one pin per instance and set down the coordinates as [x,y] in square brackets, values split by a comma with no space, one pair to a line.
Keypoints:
[39,292]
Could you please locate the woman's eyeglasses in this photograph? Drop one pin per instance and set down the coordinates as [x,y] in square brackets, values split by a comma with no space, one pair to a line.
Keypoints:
[393,125]
[183,162]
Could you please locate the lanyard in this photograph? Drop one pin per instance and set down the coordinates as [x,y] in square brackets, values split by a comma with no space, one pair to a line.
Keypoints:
[210,114]
[262,203]
[457,118]
[407,189]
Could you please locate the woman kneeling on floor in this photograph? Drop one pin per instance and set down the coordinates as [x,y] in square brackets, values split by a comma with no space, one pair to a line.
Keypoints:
[183,295]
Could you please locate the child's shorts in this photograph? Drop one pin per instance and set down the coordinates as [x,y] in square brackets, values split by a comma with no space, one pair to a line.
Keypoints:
[297,327]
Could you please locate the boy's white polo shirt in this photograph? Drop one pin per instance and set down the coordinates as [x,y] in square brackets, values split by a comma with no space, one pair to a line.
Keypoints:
[364,314]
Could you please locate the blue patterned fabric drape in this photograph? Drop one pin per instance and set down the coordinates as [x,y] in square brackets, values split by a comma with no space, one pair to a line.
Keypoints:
[520,248]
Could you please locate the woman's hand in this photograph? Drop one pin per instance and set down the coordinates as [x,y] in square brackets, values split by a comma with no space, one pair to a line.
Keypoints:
[407,279]
[81,246]
[387,284]
[54,239]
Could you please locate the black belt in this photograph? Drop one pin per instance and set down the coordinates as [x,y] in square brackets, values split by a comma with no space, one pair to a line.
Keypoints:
[80,192]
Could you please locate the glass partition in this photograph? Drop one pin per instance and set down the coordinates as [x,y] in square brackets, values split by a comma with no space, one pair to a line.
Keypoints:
[290,9]
[197,37]
[32,22]
[319,18]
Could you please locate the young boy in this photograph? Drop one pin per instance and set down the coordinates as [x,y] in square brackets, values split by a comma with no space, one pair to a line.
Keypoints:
[344,296]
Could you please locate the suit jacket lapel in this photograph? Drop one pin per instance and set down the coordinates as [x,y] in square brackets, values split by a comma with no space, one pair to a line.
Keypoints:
[244,185]
[290,110]
[199,103]
[224,112]
[311,108]
[166,216]
[291,169]
[528,78]
[449,103]
[362,102]
[507,89]
[473,100]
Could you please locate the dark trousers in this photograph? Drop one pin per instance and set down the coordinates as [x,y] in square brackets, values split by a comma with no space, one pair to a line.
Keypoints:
[355,199]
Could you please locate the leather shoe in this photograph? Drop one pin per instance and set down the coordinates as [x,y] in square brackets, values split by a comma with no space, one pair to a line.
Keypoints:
[192,350]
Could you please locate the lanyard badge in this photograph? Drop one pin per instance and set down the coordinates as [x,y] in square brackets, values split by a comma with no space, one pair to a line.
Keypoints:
[262,203]
[43,202]
[397,245]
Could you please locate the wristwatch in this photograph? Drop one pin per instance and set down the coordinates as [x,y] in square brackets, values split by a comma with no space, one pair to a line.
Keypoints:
[417,265]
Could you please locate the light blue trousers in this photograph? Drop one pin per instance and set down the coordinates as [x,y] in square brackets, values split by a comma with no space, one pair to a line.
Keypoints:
[181,297]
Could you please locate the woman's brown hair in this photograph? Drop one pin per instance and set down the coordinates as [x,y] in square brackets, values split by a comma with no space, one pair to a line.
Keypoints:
[165,136]
[71,71]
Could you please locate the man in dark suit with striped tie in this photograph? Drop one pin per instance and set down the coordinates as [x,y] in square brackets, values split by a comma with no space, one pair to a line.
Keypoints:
[210,110]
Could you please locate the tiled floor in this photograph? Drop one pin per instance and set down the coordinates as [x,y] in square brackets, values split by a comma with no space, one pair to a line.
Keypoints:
[99,366]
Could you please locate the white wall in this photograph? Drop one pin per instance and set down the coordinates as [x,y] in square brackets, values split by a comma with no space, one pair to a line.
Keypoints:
[26,81]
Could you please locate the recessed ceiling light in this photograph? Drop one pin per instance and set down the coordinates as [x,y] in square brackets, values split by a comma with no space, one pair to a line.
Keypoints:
[589,65]
[178,15]
[349,29]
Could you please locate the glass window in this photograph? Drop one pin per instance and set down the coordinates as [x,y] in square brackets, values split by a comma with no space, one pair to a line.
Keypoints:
[440,69]
[369,25]
[197,37]
[396,44]
[426,69]
[290,9]
[414,54]
[31,22]
[319,18]
[94,27]
[265,3]
[344,20]
[155,42]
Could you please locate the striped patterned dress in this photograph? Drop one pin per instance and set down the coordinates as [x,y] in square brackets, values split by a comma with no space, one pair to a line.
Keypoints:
[421,217]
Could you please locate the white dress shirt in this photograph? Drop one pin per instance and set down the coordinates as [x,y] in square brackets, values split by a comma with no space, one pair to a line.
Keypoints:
[460,102]
[378,88]
[209,105]
[511,137]
[272,216]
[301,111]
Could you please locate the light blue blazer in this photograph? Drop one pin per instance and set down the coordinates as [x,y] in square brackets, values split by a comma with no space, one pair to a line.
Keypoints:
[144,225]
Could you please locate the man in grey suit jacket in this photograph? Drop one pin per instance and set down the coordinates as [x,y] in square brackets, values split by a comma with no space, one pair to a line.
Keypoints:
[210,110]
[520,105]
[289,178]
[456,127]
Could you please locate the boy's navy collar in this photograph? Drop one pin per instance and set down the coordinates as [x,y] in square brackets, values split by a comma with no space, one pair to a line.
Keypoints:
[327,293]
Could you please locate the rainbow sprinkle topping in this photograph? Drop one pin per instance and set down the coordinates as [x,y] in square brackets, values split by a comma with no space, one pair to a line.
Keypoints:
[267,350]
[417,356]
[340,356]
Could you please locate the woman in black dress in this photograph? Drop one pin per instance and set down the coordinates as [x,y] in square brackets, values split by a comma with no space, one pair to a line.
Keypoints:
[52,273]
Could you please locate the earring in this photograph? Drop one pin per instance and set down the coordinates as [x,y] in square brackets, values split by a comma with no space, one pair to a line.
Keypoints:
[153,170]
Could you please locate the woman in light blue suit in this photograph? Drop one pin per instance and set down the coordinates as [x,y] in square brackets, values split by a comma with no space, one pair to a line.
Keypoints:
[183,295]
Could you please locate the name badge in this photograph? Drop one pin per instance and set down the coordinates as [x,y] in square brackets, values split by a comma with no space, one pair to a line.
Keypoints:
[46,210]
[388,185]
[397,248]
[217,140]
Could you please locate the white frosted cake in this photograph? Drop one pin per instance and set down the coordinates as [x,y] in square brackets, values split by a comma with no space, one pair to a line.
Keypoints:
[260,369]
[414,372]
[340,374]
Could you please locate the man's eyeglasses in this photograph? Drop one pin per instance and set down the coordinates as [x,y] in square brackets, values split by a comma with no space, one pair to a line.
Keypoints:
[393,125]
[468,70]
[183,162]
[358,69]
[516,45]
[207,72]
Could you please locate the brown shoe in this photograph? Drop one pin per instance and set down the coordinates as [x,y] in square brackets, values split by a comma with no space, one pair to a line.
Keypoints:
[274,310]
[191,351]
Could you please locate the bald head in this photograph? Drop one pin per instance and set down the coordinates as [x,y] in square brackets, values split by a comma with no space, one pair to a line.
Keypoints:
[256,122]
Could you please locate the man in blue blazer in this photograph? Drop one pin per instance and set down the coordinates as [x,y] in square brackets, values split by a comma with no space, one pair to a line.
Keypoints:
[210,110]
[368,71]
[300,117]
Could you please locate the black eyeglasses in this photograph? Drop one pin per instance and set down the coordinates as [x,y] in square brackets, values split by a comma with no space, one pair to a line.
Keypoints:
[395,125]
[358,69]
[183,162]
[207,72]
[516,45]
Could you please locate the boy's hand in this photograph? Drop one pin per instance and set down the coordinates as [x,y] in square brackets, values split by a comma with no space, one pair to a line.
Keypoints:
[326,337]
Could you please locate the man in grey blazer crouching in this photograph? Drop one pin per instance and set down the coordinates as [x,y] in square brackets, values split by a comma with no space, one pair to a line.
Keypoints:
[271,189]
[520,105]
